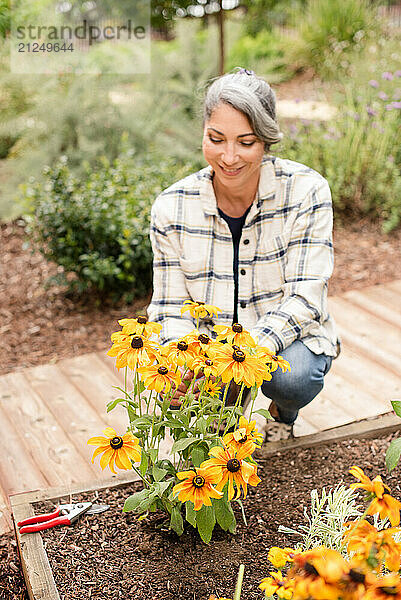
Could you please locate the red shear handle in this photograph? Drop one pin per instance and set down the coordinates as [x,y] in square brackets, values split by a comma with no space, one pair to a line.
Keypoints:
[47,525]
[39,518]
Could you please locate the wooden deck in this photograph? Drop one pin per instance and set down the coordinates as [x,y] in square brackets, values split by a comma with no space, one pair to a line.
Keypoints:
[47,413]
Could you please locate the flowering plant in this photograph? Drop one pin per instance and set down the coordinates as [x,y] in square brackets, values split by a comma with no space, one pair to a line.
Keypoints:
[210,461]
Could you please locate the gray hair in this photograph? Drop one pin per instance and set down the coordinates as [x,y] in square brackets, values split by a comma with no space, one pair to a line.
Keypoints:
[252,96]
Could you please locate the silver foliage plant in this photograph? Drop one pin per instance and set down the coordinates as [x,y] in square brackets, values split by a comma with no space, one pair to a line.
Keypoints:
[326,517]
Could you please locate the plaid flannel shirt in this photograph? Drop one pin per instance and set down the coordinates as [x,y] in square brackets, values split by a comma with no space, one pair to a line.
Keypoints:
[285,258]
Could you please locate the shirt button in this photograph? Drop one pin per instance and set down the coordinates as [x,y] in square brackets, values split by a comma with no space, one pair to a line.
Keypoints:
[243,272]
[242,304]
[246,241]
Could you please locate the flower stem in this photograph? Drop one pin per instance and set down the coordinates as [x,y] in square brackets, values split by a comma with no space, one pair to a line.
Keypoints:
[238,587]
[223,406]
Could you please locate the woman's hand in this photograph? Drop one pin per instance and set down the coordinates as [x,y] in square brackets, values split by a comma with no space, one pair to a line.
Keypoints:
[184,385]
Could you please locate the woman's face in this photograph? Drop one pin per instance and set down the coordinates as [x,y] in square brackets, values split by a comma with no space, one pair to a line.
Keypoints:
[231,148]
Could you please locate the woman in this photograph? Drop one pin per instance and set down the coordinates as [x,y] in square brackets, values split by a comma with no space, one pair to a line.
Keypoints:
[252,234]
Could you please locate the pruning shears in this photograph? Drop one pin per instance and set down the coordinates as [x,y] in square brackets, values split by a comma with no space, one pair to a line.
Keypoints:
[64,514]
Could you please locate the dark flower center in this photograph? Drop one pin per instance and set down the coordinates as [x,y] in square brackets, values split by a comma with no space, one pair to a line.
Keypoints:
[357,576]
[390,590]
[116,442]
[310,569]
[198,481]
[200,303]
[242,439]
[182,346]
[203,338]
[208,362]
[274,357]
[238,355]
[137,342]
[162,370]
[142,320]
[237,328]
[233,465]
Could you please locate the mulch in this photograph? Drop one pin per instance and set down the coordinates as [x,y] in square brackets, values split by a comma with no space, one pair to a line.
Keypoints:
[39,325]
[114,555]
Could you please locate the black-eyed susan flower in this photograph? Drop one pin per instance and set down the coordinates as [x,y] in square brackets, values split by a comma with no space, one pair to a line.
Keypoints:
[362,538]
[200,310]
[273,361]
[227,466]
[278,584]
[204,363]
[235,335]
[382,503]
[159,377]
[375,486]
[116,449]
[198,342]
[279,557]
[178,353]
[237,364]
[131,351]
[384,588]
[140,326]
[197,487]
[245,432]
[212,389]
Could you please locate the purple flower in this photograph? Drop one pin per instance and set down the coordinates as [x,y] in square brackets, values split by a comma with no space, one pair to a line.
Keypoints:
[370,111]
[397,73]
[374,83]
[387,75]
[389,107]
[297,100]
[396,104]
[356,116]
[382,96]
[390,158]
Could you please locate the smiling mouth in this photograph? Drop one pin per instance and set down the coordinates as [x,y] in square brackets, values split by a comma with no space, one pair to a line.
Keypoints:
[231,171]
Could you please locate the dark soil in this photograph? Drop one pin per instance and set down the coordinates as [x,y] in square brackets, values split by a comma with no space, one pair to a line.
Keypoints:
[38,325]
[114,555]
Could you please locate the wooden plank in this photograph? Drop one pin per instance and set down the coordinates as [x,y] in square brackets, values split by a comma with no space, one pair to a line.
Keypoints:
[5,515]
[394,285]
[371,337]
[384,295]
[18,469]
[94,380]
[35,563]
[110,362]
[363,429]
[372,303]
[71,409]
[367,375]
[323,413]
[46,441]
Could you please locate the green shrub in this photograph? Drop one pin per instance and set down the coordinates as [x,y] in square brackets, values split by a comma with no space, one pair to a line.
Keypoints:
[262,52]
[329,31]
[97,227]
[358,152]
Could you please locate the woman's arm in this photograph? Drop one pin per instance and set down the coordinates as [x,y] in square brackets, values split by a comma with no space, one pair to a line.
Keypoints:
[308,268]
[169,287]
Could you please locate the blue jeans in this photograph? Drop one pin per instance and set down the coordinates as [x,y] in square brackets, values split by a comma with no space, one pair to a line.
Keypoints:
[293,390]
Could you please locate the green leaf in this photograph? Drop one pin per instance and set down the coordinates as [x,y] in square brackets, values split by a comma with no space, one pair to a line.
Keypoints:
[202,424]
[142,422]
[158,473]
[114,403]
[176,521]
[163,486]
[205,522]
[153,454]
[264,412]
[132,502]
[396,404]
[393,454]
[199,454]
[224,514]
[143,467]
[190,513]
[180,445]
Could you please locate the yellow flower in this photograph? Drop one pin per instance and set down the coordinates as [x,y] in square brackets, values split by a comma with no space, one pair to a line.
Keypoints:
[279,557]
[235,335]
[212,389]
[386,506]
[227,466]
[116,449]
[245,433]
[198,362]
[199,309]
[384,588]
[132,350]
[213,597]
[278,584]
[159,377]
[233,363]
[272,360]
[179,353]
[198,342]
[140,326]
[196,487]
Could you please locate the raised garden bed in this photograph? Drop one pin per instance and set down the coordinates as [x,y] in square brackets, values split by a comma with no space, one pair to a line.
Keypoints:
[116,556]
